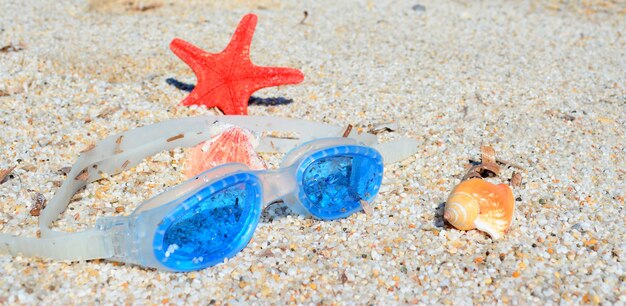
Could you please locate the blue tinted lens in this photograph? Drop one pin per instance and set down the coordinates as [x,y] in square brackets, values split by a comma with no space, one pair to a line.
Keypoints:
[338,179]
[209,226]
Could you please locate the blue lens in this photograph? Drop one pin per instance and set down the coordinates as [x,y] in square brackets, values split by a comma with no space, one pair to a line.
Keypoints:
[214,224]
[335,181]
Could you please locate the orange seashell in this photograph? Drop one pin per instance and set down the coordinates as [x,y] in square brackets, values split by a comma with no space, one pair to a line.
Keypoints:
[476,203]
[228,144]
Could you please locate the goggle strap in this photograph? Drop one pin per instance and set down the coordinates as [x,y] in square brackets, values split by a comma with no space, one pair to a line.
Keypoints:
[396,150]
[76,180]
[302,130]
[122,151]
[85,245]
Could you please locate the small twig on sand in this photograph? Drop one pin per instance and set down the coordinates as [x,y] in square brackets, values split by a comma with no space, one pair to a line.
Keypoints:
[488,155]
[346,133]
[108,111]
[11,48]
[510,164]
[145,7]
[384,127]
[4,173]
[482,170]
[306,14]
[489,166]
[516,180]
[39,204]
[367,207]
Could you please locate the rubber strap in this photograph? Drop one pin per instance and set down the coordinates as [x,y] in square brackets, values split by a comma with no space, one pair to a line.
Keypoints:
[397,150]
[122,151]
[71,246]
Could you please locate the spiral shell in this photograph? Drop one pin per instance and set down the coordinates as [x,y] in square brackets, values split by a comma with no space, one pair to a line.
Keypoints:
[228,144]
[476,203]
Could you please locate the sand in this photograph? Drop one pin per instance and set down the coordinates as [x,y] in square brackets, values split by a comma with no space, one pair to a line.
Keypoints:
[543,82]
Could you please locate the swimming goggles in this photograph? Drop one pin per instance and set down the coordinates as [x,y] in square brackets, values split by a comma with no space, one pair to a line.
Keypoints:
[212,216]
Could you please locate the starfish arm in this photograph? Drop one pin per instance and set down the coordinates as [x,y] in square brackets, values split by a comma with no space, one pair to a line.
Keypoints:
[226,99]
[190,54]
[239,44]
[195,97]
[220,96]
[239,105]
[262,77]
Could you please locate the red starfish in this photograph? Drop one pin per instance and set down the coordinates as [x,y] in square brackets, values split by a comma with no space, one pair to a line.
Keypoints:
[228,79]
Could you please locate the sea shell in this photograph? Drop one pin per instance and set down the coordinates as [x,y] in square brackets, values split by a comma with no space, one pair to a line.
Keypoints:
[476,203]
[228,144]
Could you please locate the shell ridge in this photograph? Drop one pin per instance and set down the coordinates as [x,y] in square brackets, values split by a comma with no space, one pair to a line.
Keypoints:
[228,144]
[455,208]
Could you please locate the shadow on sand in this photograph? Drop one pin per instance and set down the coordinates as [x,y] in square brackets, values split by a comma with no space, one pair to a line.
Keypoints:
[270,101]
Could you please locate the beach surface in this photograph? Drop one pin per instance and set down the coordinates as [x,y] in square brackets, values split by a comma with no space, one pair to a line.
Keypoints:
[542,82]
